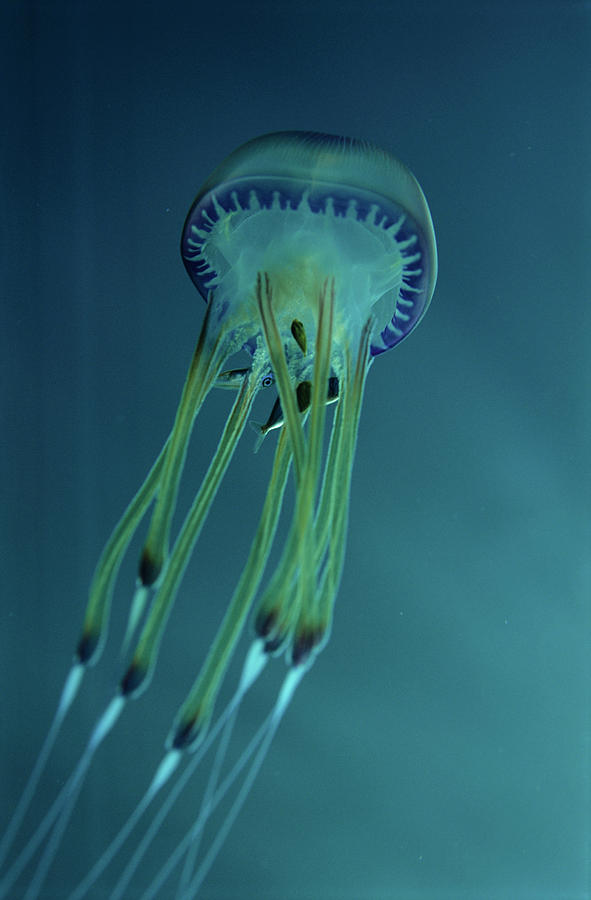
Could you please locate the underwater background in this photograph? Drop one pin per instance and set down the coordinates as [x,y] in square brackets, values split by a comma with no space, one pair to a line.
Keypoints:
[439,746]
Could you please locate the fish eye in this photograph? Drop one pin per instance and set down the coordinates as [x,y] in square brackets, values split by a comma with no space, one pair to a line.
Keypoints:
[268,380]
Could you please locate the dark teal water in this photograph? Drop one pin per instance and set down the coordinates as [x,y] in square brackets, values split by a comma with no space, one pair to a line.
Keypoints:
[439,747]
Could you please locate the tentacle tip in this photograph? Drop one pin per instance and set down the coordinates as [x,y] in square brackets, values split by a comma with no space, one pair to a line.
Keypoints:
[266,628]
[188,733]
[149,569]
[133,679]
[304,644]
[87,647]
[265,623]
[274,645]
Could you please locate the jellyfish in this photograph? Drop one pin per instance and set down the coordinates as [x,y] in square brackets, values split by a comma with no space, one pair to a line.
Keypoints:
[315,254]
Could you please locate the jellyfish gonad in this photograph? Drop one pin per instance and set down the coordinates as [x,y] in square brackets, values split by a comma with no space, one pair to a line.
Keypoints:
[315,254]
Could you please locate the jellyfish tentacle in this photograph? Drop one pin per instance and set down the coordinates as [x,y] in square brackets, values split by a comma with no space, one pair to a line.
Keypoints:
[308,493]
[191,720]
[265,229]
[254,753]
[324,513]
[205,805]
[333,517]
[254,662]
[68,695]
[97,612]
[146,651]
[287,394]
[196,830]
[210,352]
[93,633]
[311,628]
[322,360]
[18,866]
[139,602]
[256,659]
[263,739]
[278,608]
[96,619]
[276,613]
[281,604]
[102,728]
[330,524]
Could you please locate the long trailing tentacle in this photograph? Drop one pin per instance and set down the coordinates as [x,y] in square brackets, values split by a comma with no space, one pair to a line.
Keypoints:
[93,635]
[298,601]
[264,295]
[146,651]
[254,664]
[280,605]
[197,708]
[211,350]
[304,639]
[95,622]
[101,588]
[332,518]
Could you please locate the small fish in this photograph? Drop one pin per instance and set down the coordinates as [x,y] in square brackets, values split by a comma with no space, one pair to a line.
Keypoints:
[232,379]
[304,394]
[275,420]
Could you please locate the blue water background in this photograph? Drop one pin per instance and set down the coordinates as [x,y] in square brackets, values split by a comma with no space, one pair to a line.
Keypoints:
[439,747]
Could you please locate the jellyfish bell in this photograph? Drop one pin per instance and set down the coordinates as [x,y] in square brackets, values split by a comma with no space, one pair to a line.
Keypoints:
[315,254]
[302,206]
